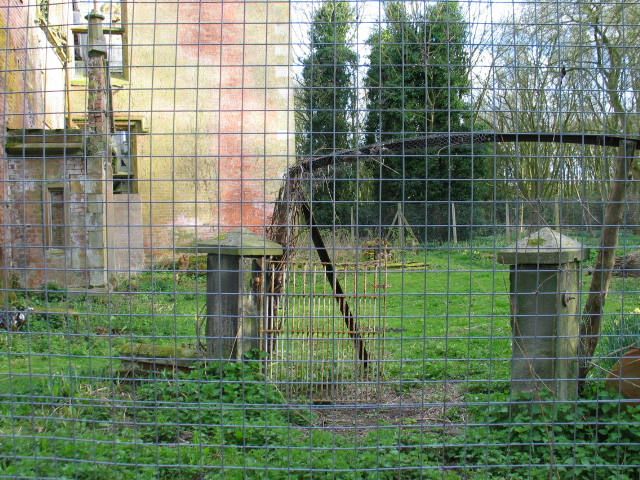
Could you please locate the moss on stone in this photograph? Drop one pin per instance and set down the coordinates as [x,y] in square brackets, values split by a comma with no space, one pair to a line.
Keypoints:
[150,350]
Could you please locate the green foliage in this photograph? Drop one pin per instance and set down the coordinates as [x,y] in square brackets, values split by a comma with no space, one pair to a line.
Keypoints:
[325,100]
[66,414]
[232,403]
[94,454]
[327,113]
[543,439]
[52,292]
[419,72]
[597,437]
[417,83]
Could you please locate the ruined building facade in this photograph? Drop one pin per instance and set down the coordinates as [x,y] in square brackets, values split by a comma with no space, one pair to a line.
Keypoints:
[196,103]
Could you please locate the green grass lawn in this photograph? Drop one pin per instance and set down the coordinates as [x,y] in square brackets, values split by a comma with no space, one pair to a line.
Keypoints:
[66,410]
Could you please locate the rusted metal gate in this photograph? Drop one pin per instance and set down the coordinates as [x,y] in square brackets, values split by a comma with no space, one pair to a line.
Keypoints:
[314,354]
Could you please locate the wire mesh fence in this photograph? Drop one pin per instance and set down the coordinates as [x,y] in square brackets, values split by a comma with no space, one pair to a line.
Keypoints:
[324,239]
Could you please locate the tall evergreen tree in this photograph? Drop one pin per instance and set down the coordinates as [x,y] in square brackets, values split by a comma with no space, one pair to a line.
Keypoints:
[326,113]
[417,83]
[326,97]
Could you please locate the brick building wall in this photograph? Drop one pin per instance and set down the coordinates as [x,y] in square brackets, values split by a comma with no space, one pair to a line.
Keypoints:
[13,44]
[206,85]
[32,82]
[33,74]
[126,235]
[211,87]
[33,168]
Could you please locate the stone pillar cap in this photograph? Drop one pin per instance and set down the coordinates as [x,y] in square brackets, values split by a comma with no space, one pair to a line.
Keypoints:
[544,247]
[94,14]
[241,243]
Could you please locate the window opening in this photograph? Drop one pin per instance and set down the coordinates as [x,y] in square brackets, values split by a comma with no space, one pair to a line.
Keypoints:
[113,33]
[56,217]
[123,152]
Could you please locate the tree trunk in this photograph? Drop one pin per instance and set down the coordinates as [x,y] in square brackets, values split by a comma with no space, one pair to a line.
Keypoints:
[592,314]
[507,223]
[520,229]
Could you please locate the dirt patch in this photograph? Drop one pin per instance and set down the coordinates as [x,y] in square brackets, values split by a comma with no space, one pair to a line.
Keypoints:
[437,405]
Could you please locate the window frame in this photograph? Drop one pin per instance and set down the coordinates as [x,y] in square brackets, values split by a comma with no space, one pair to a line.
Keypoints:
[49,236]
[78,73]
[136,127]
[131,179]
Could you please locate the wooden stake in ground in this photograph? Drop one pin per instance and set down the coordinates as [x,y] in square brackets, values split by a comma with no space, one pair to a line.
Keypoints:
[507,222]
[403,226]
[454,224]
[353,228]
[592,314]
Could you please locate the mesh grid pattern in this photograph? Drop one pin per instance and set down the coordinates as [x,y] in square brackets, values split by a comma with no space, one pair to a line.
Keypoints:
[319,239]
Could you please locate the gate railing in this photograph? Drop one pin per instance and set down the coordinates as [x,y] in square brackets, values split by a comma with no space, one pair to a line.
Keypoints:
[315,356]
